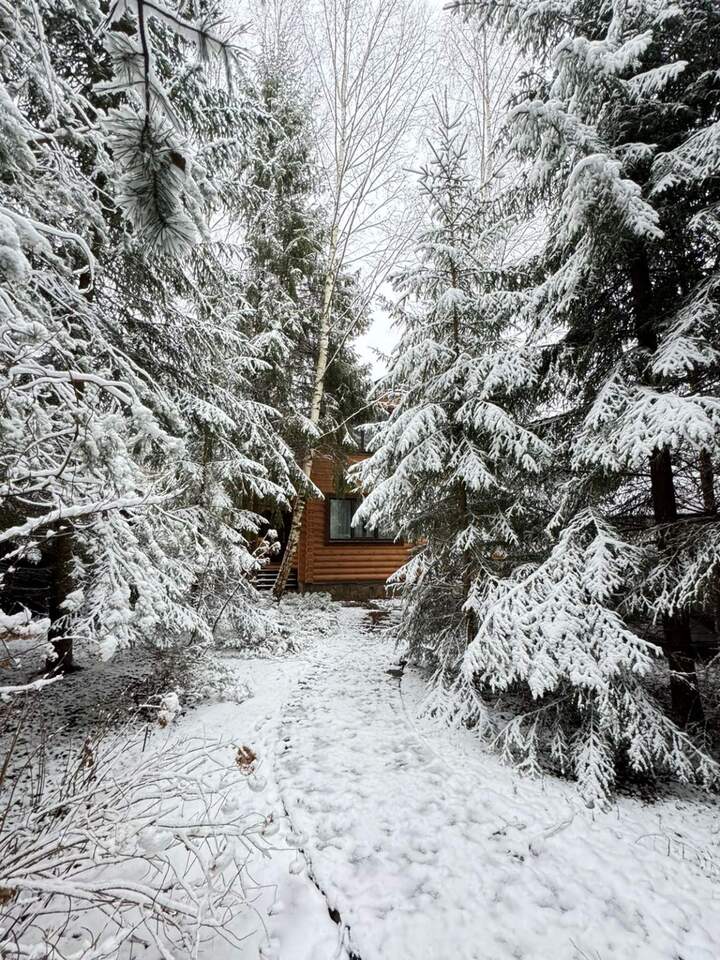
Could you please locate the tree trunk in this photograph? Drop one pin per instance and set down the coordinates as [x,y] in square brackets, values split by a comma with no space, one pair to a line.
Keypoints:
[469,616]
[61,557]
[685,695]
[292,541]
[314,417]
[707,485]
[60,586]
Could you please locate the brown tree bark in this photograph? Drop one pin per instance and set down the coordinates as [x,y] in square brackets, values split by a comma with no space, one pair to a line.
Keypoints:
[677,636]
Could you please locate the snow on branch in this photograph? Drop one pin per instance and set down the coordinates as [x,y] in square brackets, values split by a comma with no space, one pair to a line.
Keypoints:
[140,848]
[554,631]
[79,511]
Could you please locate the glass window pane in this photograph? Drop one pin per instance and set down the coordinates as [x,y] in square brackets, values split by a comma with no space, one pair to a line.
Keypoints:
[341,512]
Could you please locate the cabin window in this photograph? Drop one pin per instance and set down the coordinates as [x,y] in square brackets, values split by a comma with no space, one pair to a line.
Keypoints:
[341,512]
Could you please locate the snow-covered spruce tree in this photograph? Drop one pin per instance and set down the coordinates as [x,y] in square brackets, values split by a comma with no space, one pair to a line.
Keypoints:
[284,261]
[234,461]
[284,268]
[617,130]
[449,461]
[284,239]
[206,347]
[72,419]
[95,304]
[282,234]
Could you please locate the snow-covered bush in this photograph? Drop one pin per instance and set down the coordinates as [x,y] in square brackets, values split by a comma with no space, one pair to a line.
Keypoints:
[128,850]
[21,634]
[198,674]
[298,620]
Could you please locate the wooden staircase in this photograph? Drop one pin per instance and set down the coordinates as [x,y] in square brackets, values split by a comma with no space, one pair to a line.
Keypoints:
[265,578]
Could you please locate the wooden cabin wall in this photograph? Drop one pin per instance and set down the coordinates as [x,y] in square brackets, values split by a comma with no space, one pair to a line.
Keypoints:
[351,562]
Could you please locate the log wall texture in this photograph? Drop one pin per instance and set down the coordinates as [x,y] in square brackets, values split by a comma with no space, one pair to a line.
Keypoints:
[348,562]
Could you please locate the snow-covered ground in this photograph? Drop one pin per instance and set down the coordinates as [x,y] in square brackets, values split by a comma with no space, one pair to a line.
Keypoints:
[428,847]
[293,921]
[393,838]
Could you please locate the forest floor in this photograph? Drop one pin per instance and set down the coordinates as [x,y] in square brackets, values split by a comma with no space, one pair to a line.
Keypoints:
[395,838]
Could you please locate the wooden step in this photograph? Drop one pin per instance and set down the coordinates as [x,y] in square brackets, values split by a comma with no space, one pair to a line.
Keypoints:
[265,579]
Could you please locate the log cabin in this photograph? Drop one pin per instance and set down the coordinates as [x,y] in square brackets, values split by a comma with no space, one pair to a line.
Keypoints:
[349,562]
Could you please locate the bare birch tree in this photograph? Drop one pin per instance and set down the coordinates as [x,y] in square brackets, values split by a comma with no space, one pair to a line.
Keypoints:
[369,61]
[480,69]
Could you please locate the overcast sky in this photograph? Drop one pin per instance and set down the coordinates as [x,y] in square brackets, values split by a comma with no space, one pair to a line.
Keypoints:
[380,337]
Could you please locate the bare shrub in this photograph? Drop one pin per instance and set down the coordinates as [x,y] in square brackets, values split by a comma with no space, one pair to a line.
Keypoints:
[126,847]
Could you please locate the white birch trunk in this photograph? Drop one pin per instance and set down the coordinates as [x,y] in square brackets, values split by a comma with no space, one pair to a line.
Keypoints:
[314,417]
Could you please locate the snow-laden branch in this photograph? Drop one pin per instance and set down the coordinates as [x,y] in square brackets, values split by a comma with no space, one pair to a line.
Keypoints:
[155,841]
[81,510]
[31,687]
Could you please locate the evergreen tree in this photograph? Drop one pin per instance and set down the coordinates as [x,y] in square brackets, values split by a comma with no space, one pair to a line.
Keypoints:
[283,236]
[131,440]
[448,461]
[612,128]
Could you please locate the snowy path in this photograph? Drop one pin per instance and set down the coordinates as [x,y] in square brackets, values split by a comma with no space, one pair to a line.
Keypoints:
[290,919]
[429,849]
